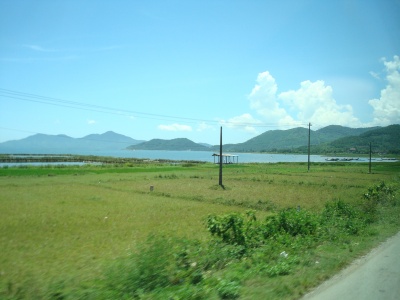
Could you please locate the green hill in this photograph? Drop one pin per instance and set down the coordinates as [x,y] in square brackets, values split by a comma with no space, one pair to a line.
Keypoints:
[294,140]
[334,132]
[174,144]
[272,141]
[384,140]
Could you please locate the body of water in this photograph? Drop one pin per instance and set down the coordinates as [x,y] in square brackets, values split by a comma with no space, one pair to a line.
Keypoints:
[205,156]
[39,164]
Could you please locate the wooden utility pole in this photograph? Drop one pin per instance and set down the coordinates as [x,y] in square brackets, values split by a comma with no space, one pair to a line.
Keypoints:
[309,137]
[220,158]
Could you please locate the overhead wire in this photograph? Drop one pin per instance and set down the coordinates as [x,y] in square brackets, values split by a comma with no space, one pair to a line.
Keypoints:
[6,93]
[80,105]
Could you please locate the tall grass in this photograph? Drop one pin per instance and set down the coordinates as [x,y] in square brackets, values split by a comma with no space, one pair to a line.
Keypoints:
[69,235]
[72,224]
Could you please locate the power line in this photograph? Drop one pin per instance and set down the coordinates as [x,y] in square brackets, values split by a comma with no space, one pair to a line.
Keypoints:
[82,106]
[117,111]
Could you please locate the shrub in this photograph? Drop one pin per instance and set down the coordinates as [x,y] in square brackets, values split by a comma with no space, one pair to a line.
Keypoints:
[228,289]
[338,210]
[235,229]
[341,217]
[230,228]
[218,255]
[380,193]
[377,195]
[281,268]
[291,221]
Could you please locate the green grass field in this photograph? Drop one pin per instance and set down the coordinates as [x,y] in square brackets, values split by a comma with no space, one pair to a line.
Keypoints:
[67,224]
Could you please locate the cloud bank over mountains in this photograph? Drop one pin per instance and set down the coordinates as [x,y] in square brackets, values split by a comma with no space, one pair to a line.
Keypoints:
[312,102]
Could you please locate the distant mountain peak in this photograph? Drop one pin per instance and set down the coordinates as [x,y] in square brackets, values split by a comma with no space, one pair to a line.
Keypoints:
[333,138]
[61,143]
[174,144]
[110,133]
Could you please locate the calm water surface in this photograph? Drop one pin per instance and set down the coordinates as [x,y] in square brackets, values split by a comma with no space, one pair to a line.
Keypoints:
[193,155]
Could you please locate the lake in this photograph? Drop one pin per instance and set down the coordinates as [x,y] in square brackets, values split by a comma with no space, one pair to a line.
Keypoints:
[200,156]
[207,156]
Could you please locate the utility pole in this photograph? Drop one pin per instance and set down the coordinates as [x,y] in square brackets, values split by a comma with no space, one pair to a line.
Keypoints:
[220,158]
[309,137]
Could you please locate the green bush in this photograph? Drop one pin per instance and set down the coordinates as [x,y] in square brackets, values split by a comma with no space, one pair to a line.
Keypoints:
[219,254]
[280,269]
[228,289]
[235,229]
[339,217]
[380,193]
[291,221]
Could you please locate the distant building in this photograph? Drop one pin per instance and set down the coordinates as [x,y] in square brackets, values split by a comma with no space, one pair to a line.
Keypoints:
[226,158]
[353,149]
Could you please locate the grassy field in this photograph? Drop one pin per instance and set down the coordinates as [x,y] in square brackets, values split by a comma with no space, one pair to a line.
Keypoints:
[63,229]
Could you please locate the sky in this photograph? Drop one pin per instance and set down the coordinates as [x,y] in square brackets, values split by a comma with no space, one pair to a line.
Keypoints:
[183,69]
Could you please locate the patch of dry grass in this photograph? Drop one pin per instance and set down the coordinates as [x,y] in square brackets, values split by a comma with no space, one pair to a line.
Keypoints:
[68,224]
[72,224]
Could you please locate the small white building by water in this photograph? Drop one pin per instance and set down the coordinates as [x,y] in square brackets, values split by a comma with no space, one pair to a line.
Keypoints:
[226,158]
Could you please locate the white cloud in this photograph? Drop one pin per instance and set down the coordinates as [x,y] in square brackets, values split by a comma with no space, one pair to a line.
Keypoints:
[245,122]
[38,48]
[375,75]
[264,92]
[387,107]
[91,122]
[175,127]
[264,100]
[314,103]
[203,126]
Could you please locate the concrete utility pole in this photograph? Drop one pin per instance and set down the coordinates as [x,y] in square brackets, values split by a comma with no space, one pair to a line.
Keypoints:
[309,137]
[220,158]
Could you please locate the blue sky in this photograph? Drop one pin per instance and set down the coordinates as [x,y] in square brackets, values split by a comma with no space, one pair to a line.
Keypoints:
[169,69]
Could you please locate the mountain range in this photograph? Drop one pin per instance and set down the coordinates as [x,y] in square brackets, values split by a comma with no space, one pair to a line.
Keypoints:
[330,139]
[44,143]
[277,140]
